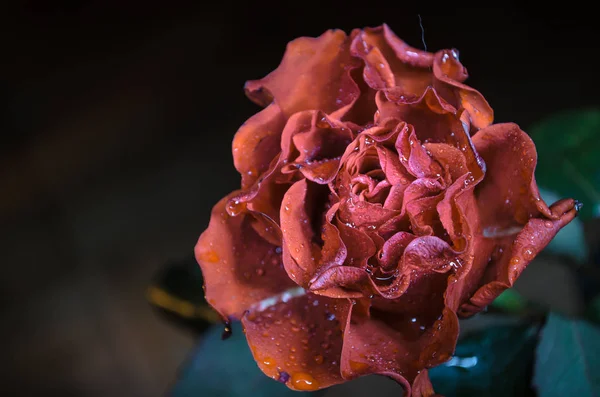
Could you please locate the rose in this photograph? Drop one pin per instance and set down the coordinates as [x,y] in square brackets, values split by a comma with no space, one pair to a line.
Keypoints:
[378,204]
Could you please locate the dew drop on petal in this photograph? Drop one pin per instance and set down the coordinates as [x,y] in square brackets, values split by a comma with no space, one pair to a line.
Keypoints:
[235,207]
[304,381]
[529,253]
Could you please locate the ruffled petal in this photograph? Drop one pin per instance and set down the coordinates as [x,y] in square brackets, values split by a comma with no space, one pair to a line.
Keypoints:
[297,339]
[256,143]
[516,223]
[434,121]
[510,255]
[400,338]
[302,204]
[508,196]
[239,267]
[450,74]
[313,75]
[389,62]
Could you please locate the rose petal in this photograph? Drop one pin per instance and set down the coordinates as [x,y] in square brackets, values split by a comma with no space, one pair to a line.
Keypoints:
[434,120]
[401,337]
[313,74]
[256,143]
[508,195]
[239,267]
[512,255]
[389,62]
[302,203]
[450,73]
[422,386]
[301,338]
[393,248]
[450,158]
[341,282]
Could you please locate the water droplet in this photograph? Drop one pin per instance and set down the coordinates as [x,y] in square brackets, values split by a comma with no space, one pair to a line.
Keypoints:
[260,271]
[269,362]
[292,357]
[318,359]
[529,253]
[235,207]
[322,123]
[227,331]
[278,250]
[304,381]
[548,224]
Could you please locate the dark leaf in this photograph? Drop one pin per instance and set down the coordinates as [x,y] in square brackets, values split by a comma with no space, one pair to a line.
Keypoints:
[493,362]
[568,359]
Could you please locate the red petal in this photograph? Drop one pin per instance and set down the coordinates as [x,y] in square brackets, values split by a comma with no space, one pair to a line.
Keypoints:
[516,223]
[301,338]
[314,74]
[450,73]
[389,62]
[256,144]
[301,254]
[239,267]
[403,337]
[512,255]
[434,120]
[508,195]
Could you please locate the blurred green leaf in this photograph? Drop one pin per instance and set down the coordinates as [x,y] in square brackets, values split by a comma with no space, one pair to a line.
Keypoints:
[567,146]
[510,301]
[226,368]
[568,359]
[593,310]
[493,362]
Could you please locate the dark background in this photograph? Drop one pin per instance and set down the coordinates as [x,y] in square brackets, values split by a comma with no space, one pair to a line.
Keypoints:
[116,126]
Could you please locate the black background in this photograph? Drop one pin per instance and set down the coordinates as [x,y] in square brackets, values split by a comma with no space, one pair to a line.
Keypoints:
[117,120]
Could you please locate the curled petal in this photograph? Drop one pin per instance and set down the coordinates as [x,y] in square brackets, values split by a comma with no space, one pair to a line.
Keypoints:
[256,143]
[508,196]
[434,120]
[393,248]
[239,267]
[314,74]
[510,255]
[450,74]
[389,62]
[429,253]
[341,282]
[403,337]
[298,341]
[450,158]
[301,252]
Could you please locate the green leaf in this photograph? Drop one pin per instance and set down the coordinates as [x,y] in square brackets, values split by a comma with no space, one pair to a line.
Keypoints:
[226,368]
[510,301]
[493,362]
[567,146]
[568,359]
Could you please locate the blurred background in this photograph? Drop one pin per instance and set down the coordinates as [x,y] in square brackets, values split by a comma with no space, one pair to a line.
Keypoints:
[117,120]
